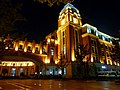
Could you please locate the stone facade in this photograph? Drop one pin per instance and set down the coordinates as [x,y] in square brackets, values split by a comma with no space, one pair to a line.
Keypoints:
[58,50]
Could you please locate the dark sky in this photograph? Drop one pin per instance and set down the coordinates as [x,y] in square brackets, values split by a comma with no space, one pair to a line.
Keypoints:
[42,19]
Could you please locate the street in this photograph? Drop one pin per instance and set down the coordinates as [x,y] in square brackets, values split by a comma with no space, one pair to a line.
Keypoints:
[31,84]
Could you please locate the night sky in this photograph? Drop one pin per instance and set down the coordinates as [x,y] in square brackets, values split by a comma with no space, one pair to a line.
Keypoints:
[42,19]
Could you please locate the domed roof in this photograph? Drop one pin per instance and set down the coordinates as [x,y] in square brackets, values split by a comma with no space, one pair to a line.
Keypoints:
[69,5]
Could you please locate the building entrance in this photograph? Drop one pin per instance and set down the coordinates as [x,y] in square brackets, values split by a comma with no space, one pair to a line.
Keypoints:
[13,72]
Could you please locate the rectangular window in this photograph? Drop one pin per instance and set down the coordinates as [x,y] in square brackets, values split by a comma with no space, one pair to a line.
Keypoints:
[76,41]
[63,21]
[88,30]
[63,33]
[52,51]
[94,59]
[44,49]
[36,50]
[101,45]
[100,36]
[103,54]
[93,49]
[13,72]
[108,55]
[92,31]
[20,47]
[70,18]
[75,20]
[63,40]
[92,42]
[64,50]
[106,47]
[28,48]
[103,38]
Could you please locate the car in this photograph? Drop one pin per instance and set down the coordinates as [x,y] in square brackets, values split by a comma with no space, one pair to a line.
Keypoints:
[107,74]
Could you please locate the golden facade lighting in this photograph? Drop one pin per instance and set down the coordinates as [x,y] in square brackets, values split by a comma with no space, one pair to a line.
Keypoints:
[63,21]
[68,7]
[115,63]
[75,20]
[85,59]
[92,58]
[118,64]
[40,51]
[6,47]
[47,61]
[110,62]
[33,51]
[101,61]
[70,18]
[25,49]
[24,63]
[107,61]
[56,42]
[73,56]
[69,24]
[52,40]
[43,55]
[67,18]
[16,48]
[48,40]
[21,43]
[56,61]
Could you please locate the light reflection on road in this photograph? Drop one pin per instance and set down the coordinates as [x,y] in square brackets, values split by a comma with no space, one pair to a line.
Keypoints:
[57,85]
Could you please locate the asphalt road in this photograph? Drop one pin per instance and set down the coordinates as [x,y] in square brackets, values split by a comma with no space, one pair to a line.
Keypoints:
[30,84]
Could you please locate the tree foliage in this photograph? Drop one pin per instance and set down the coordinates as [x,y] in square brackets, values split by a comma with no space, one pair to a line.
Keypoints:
[9,13]
[115,55]
[81,67]
[52,2]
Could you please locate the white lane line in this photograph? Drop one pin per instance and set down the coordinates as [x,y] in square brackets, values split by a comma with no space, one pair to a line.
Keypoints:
[23,85]
[16,85]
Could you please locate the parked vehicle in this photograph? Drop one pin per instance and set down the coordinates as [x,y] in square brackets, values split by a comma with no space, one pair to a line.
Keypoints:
[108,74]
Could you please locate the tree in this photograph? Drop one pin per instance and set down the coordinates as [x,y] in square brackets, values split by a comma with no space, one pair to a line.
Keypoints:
[63,63]
[81,67]
[9,14]
[115,52]
[52,2]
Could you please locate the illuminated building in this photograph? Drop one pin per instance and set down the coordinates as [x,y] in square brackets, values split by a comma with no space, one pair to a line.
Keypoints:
[62,44]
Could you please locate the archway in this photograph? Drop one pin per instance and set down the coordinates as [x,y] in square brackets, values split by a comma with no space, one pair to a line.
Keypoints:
[23,63]
[5,72]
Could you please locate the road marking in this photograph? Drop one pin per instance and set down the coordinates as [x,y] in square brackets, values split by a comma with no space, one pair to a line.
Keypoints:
[23,85]
[16,85]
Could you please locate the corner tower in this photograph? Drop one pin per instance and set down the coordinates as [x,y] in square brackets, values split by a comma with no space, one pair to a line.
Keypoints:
[69,14]
[68,33]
